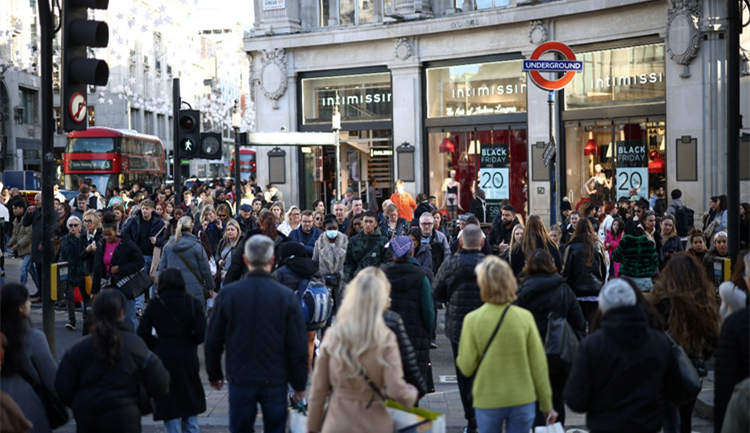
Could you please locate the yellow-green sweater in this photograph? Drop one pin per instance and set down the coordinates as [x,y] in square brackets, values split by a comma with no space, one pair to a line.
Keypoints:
[514,370]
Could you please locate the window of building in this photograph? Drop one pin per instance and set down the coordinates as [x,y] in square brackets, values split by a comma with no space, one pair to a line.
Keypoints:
[148,117]
[161,124]
[30,103]
[135,119]
[92,115]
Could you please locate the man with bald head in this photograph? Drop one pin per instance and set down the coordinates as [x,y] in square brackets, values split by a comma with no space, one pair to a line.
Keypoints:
[33,218]
[456,283]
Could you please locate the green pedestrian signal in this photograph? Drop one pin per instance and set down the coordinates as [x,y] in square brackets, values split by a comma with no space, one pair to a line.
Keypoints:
[188,134]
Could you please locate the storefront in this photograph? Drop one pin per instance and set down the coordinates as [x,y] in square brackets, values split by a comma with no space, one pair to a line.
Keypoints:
[365,102]
[615,124]
[476,133]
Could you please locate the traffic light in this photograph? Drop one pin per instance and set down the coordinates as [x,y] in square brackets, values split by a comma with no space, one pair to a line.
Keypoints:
[210,145]
[78,71]
[189,134]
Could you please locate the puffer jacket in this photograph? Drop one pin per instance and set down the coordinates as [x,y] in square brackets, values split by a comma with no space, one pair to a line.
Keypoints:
[545,293]
[456,283]
[127,257]
[407,285]
[412,374]
[583,279]
[194,267]
[363,251]
[637,256]
[423,255]
[296,269]
[22,237]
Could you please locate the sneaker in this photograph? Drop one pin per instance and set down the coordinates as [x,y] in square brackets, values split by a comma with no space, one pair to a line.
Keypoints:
[36,300]
[433,344]
[71,325]
[139,312]
[36,295]
[470,429]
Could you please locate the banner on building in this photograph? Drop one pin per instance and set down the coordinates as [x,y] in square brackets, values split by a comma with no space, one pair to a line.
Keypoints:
[271,5]
[632,168]
[494,177]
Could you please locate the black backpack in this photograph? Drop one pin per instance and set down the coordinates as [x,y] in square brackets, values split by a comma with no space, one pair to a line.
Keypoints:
[685,220]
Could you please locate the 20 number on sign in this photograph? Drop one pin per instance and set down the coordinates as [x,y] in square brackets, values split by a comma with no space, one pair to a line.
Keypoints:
[494,182]
[632,177]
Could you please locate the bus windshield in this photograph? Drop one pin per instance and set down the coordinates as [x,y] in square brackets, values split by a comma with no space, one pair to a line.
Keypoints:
[247,157]
[90,145]
[103,182]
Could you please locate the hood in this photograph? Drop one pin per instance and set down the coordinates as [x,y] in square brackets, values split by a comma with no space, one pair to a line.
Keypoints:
[541,283]
[187,241]
[404,276]
[627,326]
[302,266]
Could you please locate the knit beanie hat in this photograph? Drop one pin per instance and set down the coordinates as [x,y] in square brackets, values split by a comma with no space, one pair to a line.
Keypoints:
[401,246]
[615,294]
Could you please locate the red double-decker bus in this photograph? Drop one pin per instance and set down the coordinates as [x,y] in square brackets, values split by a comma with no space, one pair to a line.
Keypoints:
[247,163]
[108,157]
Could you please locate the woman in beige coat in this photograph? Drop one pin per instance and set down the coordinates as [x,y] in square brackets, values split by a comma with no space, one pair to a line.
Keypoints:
[359,361]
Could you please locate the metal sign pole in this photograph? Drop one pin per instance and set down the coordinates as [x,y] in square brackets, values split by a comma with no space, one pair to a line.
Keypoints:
[177,167]
[553,193]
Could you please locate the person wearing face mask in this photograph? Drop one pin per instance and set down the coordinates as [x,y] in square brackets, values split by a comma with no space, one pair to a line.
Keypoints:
[330,253]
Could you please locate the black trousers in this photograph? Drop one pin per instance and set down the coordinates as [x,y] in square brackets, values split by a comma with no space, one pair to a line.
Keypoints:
[465,385]
[70,301]
[557,382]
[40,275]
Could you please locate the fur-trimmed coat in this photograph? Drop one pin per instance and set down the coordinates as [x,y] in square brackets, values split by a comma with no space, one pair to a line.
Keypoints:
[637,256]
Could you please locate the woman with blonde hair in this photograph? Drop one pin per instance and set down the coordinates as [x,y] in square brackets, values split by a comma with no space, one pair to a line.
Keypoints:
[291,221]
[277,209]
[515,242]
[232,237]
[535,236]
[508,386]
[359,364]
[185,252]
[212,226]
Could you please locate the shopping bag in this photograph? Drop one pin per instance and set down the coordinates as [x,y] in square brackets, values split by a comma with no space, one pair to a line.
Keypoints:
[77,294]
[88,283]
[554,428]
[415,420]
[153,271]
[297,419]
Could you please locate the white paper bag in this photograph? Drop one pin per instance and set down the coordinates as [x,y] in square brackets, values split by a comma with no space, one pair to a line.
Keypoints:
[554,428]
[297,422]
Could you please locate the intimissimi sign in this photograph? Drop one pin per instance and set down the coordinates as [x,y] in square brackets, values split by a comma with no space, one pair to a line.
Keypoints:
[476,89]
[360,98]
[621,77]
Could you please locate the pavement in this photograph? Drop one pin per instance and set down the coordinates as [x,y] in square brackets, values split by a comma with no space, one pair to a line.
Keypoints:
[445,399]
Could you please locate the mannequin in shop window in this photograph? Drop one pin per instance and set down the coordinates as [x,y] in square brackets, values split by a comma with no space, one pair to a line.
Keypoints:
[600,184]
[452,199]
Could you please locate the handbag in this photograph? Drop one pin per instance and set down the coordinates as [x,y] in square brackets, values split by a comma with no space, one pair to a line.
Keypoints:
[332,280]
[133,285]
[561,342]
[689,385]
[57,413]
[553,428]
[88,283]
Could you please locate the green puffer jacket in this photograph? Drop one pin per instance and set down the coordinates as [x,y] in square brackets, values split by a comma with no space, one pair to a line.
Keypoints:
[21,237]
[363,251]
[637,256]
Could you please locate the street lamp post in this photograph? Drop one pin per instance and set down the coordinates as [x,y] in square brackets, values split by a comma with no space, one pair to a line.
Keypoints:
[336,127]
[236,122]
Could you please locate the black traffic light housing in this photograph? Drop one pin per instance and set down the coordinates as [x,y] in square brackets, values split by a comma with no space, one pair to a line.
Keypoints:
[210,145]
[78,71]
[189,134]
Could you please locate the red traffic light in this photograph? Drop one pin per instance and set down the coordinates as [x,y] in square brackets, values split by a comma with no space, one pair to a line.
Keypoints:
[187,122]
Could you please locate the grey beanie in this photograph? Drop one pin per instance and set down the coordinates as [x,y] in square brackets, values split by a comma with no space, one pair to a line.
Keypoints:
[615,294]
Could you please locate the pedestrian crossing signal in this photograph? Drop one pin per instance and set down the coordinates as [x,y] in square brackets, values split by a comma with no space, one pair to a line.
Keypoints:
[188,135]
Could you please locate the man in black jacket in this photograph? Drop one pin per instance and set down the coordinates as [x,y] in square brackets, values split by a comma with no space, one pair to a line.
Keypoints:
[478,206]
[147,232]
[732,356]
[456,283]
[246,219]
[502,228]
[260,323]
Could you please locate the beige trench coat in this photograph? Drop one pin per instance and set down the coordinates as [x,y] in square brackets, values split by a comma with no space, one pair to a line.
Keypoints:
[348,409]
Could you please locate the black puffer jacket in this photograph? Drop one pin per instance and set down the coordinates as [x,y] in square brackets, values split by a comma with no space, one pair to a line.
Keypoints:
[621,374]
[412,374]
[456,283]
[584,280]
[88,386]
[295,269]
[732,360]
[407,280]
[545,293]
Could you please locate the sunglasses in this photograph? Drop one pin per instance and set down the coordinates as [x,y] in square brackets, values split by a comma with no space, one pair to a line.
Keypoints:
[317,219]
[88,221]
[72,225]
[222,215]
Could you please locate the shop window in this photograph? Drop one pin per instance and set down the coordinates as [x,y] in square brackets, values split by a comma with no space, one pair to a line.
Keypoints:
[494,159]
[607,159]
[30,105]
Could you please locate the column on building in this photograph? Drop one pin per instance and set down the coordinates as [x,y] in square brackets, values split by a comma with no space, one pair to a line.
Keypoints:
[407,118]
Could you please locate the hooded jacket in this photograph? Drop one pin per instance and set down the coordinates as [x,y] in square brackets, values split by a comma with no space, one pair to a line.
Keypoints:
[193,265]
[295,266]
[622,374]
[542,294]
[133,231]
[456,283]
[411,298]
[21,237]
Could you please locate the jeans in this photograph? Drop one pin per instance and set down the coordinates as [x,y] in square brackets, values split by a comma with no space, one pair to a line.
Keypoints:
[465,386]
[243,408]
[130,313]
[147,267]
[517,419]
[26,269]
[188,424]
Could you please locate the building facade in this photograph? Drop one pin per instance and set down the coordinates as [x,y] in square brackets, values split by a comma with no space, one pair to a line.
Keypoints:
[445,80]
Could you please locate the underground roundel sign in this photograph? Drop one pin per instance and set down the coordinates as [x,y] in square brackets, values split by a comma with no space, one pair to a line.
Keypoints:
[77,107]
[535,66]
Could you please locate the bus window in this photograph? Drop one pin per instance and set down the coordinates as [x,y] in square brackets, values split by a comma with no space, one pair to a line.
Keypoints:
[91,145]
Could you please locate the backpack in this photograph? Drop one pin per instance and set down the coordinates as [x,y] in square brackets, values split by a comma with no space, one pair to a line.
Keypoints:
[316,303]
[685,220]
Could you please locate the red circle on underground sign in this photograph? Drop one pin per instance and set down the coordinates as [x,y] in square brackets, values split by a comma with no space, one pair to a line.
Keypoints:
[561,48]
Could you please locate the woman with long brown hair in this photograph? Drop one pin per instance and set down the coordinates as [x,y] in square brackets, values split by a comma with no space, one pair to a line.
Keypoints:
[734,292]
[685,298]
[535,236]
[585,266]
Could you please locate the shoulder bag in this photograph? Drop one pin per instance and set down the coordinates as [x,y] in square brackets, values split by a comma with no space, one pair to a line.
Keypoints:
[156,260]
[561,343]
[133,285]
[206,292]
[689,385]
[57,413]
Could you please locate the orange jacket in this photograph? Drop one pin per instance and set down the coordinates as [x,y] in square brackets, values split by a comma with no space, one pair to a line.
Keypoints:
[406,205]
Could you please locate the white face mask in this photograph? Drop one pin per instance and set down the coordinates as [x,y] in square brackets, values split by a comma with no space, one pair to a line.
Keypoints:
[332,234]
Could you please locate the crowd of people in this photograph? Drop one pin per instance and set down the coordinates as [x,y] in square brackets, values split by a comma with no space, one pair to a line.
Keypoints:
[629,278]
